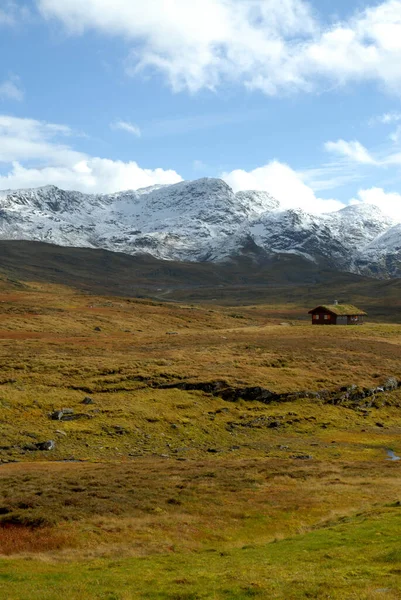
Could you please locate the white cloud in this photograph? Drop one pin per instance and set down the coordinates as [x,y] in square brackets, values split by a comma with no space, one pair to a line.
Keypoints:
[28,139]
[285,184]
[11,89]
[269,45]
[91,174]
[128,127]
[388,202]
[35,154]
[386,118]
[12,13]
[353,150]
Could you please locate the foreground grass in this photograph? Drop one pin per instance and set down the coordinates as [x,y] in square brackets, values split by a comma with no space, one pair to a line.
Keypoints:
[358,558]
[173,494]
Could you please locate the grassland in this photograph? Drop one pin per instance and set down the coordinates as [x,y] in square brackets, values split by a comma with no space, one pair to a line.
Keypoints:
[155,492]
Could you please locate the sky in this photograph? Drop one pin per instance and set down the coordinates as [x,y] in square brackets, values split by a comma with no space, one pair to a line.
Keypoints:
[300,98]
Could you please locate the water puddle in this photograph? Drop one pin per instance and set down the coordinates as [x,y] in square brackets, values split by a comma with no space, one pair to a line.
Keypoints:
[392,456]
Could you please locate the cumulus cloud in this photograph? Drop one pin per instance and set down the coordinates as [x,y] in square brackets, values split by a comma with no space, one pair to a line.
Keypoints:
[268,45]
[11,89]
[91,174]
[285,184]
[353,150]
[128,127]
[388,202]
[35,153]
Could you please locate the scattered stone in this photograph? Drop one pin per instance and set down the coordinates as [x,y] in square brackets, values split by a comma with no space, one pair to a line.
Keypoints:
[29,448]
[59,432]
[391,384]
[76,417]
[56,415]
[274,425]
[87,400]
[174,426]
[213,450]
[235,448]
[67,411]
[46,446]
[97,329]
[302,456]
[351,396]
[379,424]
[283,447]
[171,332]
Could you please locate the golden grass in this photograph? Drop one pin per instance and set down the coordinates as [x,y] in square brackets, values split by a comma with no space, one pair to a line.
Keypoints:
[182,476]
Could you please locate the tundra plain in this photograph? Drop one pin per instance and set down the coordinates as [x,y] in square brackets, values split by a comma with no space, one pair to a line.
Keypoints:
[157,492]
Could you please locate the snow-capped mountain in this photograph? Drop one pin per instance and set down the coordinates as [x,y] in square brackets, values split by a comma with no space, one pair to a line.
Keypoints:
[202,220]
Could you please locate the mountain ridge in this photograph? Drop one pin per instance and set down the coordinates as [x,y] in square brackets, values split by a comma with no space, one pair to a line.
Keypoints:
[203,221]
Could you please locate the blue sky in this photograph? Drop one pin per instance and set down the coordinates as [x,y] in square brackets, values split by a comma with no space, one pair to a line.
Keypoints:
[290,96]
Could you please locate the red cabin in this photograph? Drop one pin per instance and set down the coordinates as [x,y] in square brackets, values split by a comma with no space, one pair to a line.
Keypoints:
[337,314]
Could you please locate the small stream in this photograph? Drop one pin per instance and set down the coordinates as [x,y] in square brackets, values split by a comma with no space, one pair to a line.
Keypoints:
[392,456]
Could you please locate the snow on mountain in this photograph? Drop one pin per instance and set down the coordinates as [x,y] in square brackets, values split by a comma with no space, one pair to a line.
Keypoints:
[382,257]
[202,220]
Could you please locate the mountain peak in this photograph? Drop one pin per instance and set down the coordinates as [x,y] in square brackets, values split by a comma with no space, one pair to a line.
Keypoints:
[200,220]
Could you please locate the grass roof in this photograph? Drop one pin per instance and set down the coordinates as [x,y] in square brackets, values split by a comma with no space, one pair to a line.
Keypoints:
[340,309]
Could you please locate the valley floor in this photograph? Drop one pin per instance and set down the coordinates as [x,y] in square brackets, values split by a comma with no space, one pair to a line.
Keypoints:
[114,485]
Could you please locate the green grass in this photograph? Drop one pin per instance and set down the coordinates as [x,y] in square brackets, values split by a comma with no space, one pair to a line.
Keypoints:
[356,559]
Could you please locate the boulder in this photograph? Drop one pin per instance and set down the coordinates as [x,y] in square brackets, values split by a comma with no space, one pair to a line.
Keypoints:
[391,384]
[46,446]
[57,415]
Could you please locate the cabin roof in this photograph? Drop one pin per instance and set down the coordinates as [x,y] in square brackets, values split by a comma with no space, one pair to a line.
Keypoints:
[341,310]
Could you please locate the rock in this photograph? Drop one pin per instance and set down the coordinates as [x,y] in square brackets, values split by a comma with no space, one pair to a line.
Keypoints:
[391,384]
[87,400]
[171,332]
[274,425]
[97,329]
[120,430]
[59,432]
[379,424]
[302,456]
[75,417]
[213,450]
[67,411]
[29,448]
[46,446]
[57,415]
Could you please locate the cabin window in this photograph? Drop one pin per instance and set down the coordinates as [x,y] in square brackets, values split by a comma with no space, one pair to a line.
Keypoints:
[326,317]
[315,317]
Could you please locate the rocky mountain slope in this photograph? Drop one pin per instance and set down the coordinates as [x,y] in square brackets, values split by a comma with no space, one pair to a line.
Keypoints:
[203,220]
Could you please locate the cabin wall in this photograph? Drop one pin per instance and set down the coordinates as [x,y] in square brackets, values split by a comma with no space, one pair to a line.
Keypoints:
[355,320]
[324,319]
[329,319]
